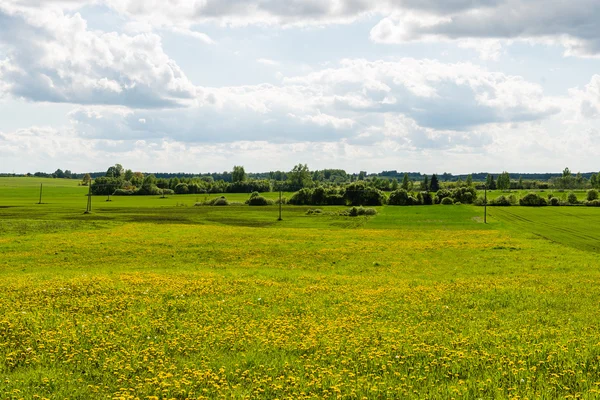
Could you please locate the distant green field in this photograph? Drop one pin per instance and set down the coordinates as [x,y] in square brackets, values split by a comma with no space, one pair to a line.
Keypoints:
[157,298]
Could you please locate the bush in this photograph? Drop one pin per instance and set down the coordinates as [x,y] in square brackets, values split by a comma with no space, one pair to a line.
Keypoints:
[501,201]
[464,195]
[398,198]
[592,195]
[447,201]
[442,194]
[315,211]
[301,197]
[533,200]
[148,190]
[426,198]
[412,201]
[358,211]
[258,201]
[218,201]
[182,188]
[359,194]
[123,192]
[593,203]
[335,199]
[572,198]
[554,201]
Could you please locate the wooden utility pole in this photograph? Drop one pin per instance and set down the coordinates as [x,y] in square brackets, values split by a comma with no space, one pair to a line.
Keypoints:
[41,185]
[280,201]
[485,204]
[88,209]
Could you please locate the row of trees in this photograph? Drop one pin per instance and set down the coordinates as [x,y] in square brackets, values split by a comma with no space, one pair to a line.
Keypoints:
[126,181]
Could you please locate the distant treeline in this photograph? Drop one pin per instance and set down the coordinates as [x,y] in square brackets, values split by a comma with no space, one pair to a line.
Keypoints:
[301,177]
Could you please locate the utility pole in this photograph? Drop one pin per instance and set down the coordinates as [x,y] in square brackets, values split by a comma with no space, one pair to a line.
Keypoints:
[485,204]
[41,185]
[280,200]
[88,209]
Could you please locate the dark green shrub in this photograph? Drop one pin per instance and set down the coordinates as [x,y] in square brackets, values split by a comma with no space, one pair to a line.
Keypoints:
[148,190]
[398,198]
[257,201]
[592,195]
[335,199]
[315,211]
[533,200]
[572,198]
[220,201]
[301,197]
[319,196]
[182,188]
[426,198]
[500,201]
[412,201]
[447,201]
[359,194]
[123,192]
[464,194]
[554,201]
[358,211]
[442,194]
[593,203]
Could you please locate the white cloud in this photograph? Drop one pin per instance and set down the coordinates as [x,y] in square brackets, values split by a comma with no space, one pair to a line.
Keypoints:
[268,62]
[571,24]
[203,37]
[55,57]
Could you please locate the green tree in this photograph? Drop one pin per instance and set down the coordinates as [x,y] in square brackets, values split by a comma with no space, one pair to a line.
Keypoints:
[579,179]
[128,175]
[503,181]
[489,182]
[520,182]
[394,185]
[362,175]
[434,186]
[469,181]
[238,174]
[300,176]
[405,182]
[594,180]
[115,171]
[425,185]
[87,178]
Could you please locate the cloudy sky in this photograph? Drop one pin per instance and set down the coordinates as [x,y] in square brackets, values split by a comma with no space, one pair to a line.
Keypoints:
[202,85]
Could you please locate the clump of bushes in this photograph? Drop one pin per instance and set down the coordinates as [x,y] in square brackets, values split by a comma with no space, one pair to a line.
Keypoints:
[533,200]
[447,201]
[593,203]
[572,198]
[257,200]
[359,194]
[592,195]
[314,212]
[318,196]
[501,201]
[217,201]
[554,201]
[398,198]
[358,211]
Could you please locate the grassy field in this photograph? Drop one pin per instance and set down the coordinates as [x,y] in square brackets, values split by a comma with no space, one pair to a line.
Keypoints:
[155,298]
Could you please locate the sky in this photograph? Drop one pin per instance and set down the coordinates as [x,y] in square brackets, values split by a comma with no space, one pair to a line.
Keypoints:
[199,86]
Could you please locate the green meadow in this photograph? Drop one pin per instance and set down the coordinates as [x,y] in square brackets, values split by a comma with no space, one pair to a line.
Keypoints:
[151,298]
